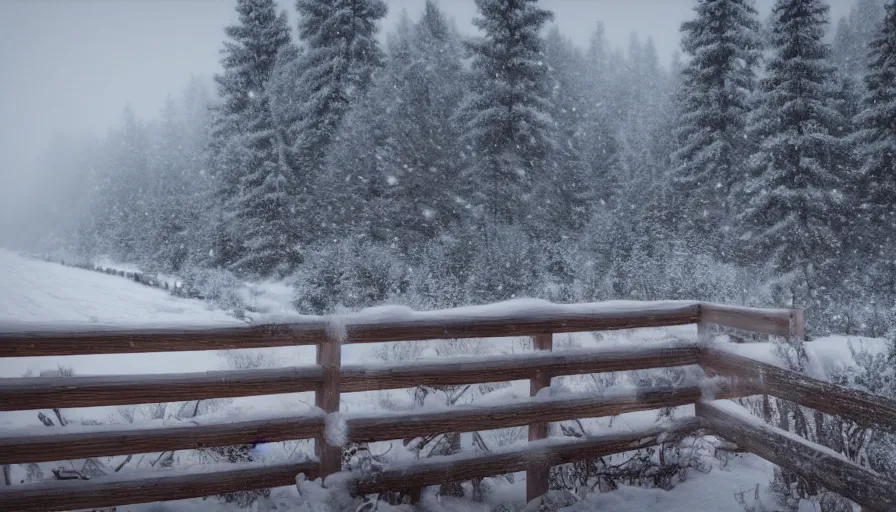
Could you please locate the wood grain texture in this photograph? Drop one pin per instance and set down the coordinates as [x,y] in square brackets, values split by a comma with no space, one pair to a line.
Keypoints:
[379,427]
[797,326]
[766,321]
[106,341]
[161,486]
[537,475]
[329,358]
[527,323]
[109,440]
[802,457]
[314,332]
[864,408]
[46,392]
[512,367]
[438,470]
[104,441]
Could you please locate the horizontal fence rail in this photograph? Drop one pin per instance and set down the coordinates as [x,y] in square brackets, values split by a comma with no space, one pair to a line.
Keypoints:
[329,378]
[28,393]
[421,326]
[550,453]
[59,444]
[167,485]
[864,408]
[809,460]
[27,446]
[46,392]
[779,322]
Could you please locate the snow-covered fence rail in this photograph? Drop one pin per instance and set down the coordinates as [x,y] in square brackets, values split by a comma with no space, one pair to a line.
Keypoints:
[328,378]
[866,409]
[473,322]
[817,463]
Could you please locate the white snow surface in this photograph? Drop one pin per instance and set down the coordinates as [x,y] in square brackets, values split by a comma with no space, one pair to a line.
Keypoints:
[38,293]
[825,354]
[711,492]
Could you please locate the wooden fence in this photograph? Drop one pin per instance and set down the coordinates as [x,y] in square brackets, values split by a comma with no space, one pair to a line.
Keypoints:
[328,378]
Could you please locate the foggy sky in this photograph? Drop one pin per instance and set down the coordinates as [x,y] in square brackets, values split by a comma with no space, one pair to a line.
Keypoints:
[70,67]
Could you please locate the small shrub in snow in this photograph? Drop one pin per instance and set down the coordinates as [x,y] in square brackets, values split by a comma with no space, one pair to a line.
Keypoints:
[506,507]
[552,501]
[352,274]
[218,286]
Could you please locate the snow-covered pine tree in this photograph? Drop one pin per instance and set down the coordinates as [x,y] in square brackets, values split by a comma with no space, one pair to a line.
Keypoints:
[428,148]
[420,92]
[281,90]
[723,42]
[600,118]
[506,116]
[181,188]
[122,214]
[258,235]
[793,214]
[393,167]
[341,54]
[643,106]
[571,187]
[853,33]
[876,139]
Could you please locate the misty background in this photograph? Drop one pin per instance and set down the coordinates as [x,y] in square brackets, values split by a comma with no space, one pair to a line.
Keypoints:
[70,68]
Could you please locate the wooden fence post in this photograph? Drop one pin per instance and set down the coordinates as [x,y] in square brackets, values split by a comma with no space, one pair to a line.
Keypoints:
[329,357]
[797,326]
[537,475]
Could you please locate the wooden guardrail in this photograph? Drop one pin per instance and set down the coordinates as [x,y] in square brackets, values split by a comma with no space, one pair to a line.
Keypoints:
[328,378]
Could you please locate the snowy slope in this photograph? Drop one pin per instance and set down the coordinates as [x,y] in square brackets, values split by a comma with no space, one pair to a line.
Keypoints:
[35,293]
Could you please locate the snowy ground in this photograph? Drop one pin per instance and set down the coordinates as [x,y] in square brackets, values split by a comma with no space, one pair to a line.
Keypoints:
[35,292]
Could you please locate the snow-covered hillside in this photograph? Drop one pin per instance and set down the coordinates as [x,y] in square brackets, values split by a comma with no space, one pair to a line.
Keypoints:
[34,293]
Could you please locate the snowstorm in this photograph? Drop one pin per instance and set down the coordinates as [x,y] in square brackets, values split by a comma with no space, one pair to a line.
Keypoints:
[633,244]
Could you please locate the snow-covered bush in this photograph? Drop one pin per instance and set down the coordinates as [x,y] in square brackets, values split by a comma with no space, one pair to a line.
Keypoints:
[350,274]
[218,286]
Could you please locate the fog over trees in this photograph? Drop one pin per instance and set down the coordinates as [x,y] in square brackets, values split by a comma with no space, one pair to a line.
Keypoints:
[438,169]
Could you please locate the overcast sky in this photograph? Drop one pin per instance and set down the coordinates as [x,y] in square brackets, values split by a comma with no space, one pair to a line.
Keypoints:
[70,67]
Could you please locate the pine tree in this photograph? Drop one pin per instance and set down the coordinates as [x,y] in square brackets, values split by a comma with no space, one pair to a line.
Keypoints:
[393,167]
[341,54]
[724,44]
[257,233]
[421,90]
[854,32]
[506,115]
[601,117]
[181,187]
[334,72]
[643,104]
[876,139]
[571,187]
[793,217]
[122,212]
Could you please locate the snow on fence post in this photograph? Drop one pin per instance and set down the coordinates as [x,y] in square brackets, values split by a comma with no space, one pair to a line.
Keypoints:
[537,474]
[329,357]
